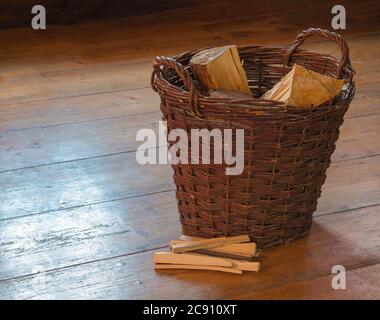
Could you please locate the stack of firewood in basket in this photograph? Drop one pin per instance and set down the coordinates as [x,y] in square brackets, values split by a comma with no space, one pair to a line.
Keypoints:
[220,70]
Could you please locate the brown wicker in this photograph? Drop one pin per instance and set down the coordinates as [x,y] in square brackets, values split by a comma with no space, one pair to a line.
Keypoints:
[287,150]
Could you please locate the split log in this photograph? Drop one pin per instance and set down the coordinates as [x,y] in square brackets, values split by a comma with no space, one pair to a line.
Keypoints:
[222,252]
[246,265]
[163,266]
[191,259]
[207,243]
[247,249]
[304,88]
[220,68]
[237,264]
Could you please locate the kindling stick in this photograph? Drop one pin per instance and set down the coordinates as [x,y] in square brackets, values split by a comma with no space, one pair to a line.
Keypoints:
[172,258]
[196,267]
[207,243]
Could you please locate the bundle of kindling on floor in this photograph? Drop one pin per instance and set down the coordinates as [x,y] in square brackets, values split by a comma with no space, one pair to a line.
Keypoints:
[232,254]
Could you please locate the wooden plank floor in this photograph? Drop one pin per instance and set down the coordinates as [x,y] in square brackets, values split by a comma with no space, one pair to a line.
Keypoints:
[79,218]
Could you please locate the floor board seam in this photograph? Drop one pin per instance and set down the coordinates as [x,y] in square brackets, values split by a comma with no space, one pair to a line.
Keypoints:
[72,96]
[68,161]
[348,116]
[347,210]
[135,150]
[88,204]
[163,191]
[83,263]
[316,276]
[82,122]
[355,267]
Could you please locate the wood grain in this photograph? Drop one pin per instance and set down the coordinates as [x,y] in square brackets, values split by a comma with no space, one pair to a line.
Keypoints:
[248,249]
[172,258]
[44,143]
[349,239]
[89,181]
[186,246]
[220,68]
[93,137]
[78,183]
[80,219]
[159,266]
[81,235]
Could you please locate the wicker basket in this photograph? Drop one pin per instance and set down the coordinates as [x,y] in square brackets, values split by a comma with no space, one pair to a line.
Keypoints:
[287,150]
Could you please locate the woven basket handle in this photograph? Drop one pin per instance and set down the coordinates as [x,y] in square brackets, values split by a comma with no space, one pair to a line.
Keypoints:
[345,59]
[185,77]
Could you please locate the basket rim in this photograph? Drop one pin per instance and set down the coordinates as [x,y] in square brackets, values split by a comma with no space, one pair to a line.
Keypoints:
[253,104]
[195,97]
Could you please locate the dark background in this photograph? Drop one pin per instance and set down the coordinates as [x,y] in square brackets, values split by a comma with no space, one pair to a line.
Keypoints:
[17,13]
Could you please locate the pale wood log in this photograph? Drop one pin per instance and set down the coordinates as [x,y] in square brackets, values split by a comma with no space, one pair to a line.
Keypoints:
[238,264]
[246,265]
[220,68]
[219,252]
[246,249]
[304,88]
[162,266]
[208,243]
[173,258]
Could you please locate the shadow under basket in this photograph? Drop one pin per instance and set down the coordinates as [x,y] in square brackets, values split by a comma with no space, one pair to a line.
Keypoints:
[286,150]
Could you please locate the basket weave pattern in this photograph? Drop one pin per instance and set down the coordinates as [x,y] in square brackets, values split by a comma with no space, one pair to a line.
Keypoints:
[287,150]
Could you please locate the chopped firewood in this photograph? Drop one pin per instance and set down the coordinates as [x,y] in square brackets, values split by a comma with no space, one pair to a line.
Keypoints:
[192,259]
[244,249]
[207,243]
[222,252]
[304,88]
[238,264]
[245,265]
[201,254]
[216,253]
[196,267]
[220,68]
[228,94]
